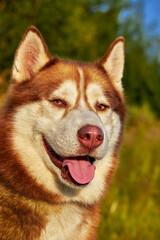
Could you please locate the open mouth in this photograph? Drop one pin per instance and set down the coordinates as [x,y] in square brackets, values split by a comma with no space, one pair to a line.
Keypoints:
[78,170]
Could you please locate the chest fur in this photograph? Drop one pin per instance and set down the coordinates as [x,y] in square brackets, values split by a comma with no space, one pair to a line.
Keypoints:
[66,224]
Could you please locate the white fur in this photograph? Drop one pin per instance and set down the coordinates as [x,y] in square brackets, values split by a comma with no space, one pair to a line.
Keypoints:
[95,94]
[67,91]
[37,119]
[82,103]
[67,224]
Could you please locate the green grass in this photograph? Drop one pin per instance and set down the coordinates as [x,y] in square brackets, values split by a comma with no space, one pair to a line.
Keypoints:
[131,209]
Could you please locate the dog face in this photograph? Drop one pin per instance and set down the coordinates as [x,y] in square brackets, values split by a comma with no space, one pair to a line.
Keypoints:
[68,118]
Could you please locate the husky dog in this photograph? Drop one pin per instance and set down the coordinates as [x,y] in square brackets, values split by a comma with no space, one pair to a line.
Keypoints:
[60,131]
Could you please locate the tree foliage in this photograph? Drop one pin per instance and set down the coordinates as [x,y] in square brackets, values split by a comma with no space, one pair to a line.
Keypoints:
[83,30]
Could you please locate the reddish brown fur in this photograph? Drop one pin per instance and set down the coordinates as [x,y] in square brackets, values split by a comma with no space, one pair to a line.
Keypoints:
[24,203]
[12,173]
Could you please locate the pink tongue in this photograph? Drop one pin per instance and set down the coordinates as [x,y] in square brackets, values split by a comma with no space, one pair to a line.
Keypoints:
[82,171]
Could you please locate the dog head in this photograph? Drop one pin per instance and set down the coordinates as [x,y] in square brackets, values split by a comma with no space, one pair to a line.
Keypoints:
[68,118]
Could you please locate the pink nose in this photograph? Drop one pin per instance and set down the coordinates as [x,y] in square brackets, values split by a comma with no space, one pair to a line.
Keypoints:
[90,137]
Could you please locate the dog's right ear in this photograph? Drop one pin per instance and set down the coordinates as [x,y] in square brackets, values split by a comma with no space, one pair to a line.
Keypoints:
[31,55]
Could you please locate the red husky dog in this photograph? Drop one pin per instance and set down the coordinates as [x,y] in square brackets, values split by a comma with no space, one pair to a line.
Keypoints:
[60,131]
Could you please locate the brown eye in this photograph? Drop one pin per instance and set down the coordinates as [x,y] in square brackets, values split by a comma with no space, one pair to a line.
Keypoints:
[101,107]
[58,102]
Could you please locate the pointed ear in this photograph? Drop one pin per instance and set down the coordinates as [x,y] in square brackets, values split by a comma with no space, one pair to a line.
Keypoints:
[113,62]
[31,55]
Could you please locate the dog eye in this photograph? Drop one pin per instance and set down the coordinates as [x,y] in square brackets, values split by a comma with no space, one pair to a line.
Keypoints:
[101,107]
[58,102]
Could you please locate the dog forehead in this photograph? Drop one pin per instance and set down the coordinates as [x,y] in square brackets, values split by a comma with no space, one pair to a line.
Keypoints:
[70,78]
[95,91]
[74,70]
[67,89]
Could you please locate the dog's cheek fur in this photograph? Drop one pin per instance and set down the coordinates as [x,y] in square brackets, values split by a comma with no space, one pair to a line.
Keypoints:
[13,171]
[35,166]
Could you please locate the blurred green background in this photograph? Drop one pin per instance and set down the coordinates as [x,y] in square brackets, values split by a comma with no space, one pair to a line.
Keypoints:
[83,30]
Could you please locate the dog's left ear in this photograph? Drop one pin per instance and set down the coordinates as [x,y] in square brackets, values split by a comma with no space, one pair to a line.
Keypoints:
[31,55]
[113,62]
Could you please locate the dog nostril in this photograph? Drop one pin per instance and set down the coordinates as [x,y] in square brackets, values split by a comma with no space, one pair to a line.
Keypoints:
[99,138]
[87,137]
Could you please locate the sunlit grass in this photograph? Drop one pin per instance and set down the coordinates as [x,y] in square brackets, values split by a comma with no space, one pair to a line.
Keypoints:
[131,209]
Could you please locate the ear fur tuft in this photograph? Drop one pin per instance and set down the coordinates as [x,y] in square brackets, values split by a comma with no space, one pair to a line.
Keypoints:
[113,62]
[31,55]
